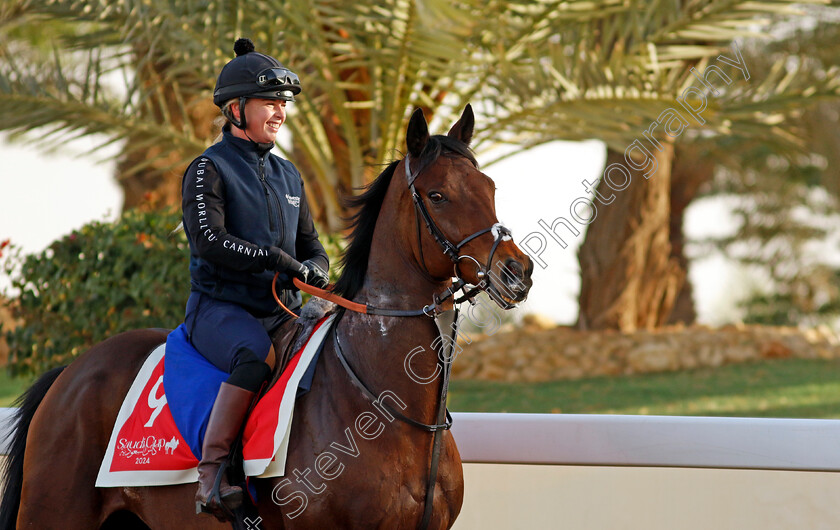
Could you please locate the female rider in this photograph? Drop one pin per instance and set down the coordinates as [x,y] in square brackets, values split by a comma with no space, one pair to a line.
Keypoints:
[246,217]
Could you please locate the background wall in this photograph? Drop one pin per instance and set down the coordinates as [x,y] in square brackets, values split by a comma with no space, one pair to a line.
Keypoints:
[505,496]
[542,351]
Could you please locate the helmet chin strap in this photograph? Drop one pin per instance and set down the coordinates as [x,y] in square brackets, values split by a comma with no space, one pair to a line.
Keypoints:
[228,113]
[242,124]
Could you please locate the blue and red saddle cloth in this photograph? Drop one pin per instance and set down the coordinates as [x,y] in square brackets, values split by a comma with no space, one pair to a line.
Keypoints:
[159,430]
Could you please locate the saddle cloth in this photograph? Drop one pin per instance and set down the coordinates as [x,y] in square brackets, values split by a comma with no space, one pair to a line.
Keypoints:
[157,436]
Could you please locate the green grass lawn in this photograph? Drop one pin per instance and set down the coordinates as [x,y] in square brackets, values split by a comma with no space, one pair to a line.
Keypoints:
[12,387]
[784,389]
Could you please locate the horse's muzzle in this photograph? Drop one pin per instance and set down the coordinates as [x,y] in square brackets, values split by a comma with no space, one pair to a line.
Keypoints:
[511,283]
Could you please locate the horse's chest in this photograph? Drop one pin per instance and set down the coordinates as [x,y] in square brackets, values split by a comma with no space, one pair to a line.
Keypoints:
[365,484]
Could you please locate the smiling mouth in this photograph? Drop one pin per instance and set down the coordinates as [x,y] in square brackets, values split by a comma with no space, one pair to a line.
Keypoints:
[273,126]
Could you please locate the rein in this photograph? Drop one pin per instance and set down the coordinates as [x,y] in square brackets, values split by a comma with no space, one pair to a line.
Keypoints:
[429,310]
[339,350]
[442,415]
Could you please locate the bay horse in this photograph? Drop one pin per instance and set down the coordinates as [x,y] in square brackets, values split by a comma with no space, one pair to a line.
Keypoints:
[350,463]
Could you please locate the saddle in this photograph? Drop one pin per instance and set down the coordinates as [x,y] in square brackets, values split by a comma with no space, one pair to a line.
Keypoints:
[293,334]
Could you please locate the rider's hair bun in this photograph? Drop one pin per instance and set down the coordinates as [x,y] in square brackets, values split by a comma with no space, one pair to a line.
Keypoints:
[243,46]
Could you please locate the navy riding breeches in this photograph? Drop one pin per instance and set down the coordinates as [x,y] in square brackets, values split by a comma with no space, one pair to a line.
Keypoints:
[223,331]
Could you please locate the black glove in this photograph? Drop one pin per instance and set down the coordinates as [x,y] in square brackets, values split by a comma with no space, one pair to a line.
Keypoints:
[312,274]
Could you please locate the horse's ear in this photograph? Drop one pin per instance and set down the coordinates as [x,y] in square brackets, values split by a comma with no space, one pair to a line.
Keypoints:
[418,133]
[463,128]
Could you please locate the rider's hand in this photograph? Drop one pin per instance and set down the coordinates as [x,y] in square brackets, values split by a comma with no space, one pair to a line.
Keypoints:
[312,274]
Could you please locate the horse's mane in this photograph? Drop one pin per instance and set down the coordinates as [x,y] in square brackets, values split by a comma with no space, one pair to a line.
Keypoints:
[355,258]
[354,262]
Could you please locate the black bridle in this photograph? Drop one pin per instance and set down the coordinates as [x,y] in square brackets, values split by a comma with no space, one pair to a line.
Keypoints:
[498,230]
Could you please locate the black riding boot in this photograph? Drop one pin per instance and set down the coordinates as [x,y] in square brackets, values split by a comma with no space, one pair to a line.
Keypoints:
[226,419]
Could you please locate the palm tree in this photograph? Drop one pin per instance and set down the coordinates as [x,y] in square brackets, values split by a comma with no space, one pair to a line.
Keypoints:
[786,203]
[140,73]
[610,76]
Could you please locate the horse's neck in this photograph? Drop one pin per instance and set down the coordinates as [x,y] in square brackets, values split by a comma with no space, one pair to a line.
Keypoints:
[394,355]
[380,345]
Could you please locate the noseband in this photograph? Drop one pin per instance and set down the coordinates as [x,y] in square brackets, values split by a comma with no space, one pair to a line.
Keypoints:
[498,230]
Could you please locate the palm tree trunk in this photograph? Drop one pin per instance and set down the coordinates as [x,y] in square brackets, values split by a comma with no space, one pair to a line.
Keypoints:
[692,169]
[325,199]
[157,182]
[149,188]
[629,278]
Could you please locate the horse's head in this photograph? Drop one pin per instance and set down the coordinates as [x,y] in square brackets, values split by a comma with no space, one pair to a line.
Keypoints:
[454,209]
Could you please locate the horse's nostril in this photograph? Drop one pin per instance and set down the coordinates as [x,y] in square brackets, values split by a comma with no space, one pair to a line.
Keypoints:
[514,268]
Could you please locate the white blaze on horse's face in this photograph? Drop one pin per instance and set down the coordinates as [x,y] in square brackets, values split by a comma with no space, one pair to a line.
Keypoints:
[459,204]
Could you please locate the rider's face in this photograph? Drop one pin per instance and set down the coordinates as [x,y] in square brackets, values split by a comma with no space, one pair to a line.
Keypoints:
[264,118]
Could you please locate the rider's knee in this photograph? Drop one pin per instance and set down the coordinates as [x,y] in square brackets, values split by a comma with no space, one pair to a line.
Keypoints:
[249,372]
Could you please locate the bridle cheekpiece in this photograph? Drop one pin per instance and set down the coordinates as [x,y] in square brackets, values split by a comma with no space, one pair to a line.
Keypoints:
[498,230]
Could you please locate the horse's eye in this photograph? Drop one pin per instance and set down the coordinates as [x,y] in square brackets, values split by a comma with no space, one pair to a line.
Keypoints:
[436,197]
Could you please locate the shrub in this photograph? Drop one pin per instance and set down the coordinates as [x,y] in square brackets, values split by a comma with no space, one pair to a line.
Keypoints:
[100,280]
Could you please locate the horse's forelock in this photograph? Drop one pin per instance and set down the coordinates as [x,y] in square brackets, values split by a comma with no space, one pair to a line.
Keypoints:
[440,145]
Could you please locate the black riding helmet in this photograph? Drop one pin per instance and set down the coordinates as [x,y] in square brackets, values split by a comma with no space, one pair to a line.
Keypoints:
[253,75]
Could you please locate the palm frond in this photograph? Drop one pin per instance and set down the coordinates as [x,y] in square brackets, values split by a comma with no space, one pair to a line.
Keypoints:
[140,70]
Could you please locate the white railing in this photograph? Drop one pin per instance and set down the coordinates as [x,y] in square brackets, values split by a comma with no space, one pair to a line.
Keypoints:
[5,428]
[648,441]
[642,472]
[596,472]
[639,441]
